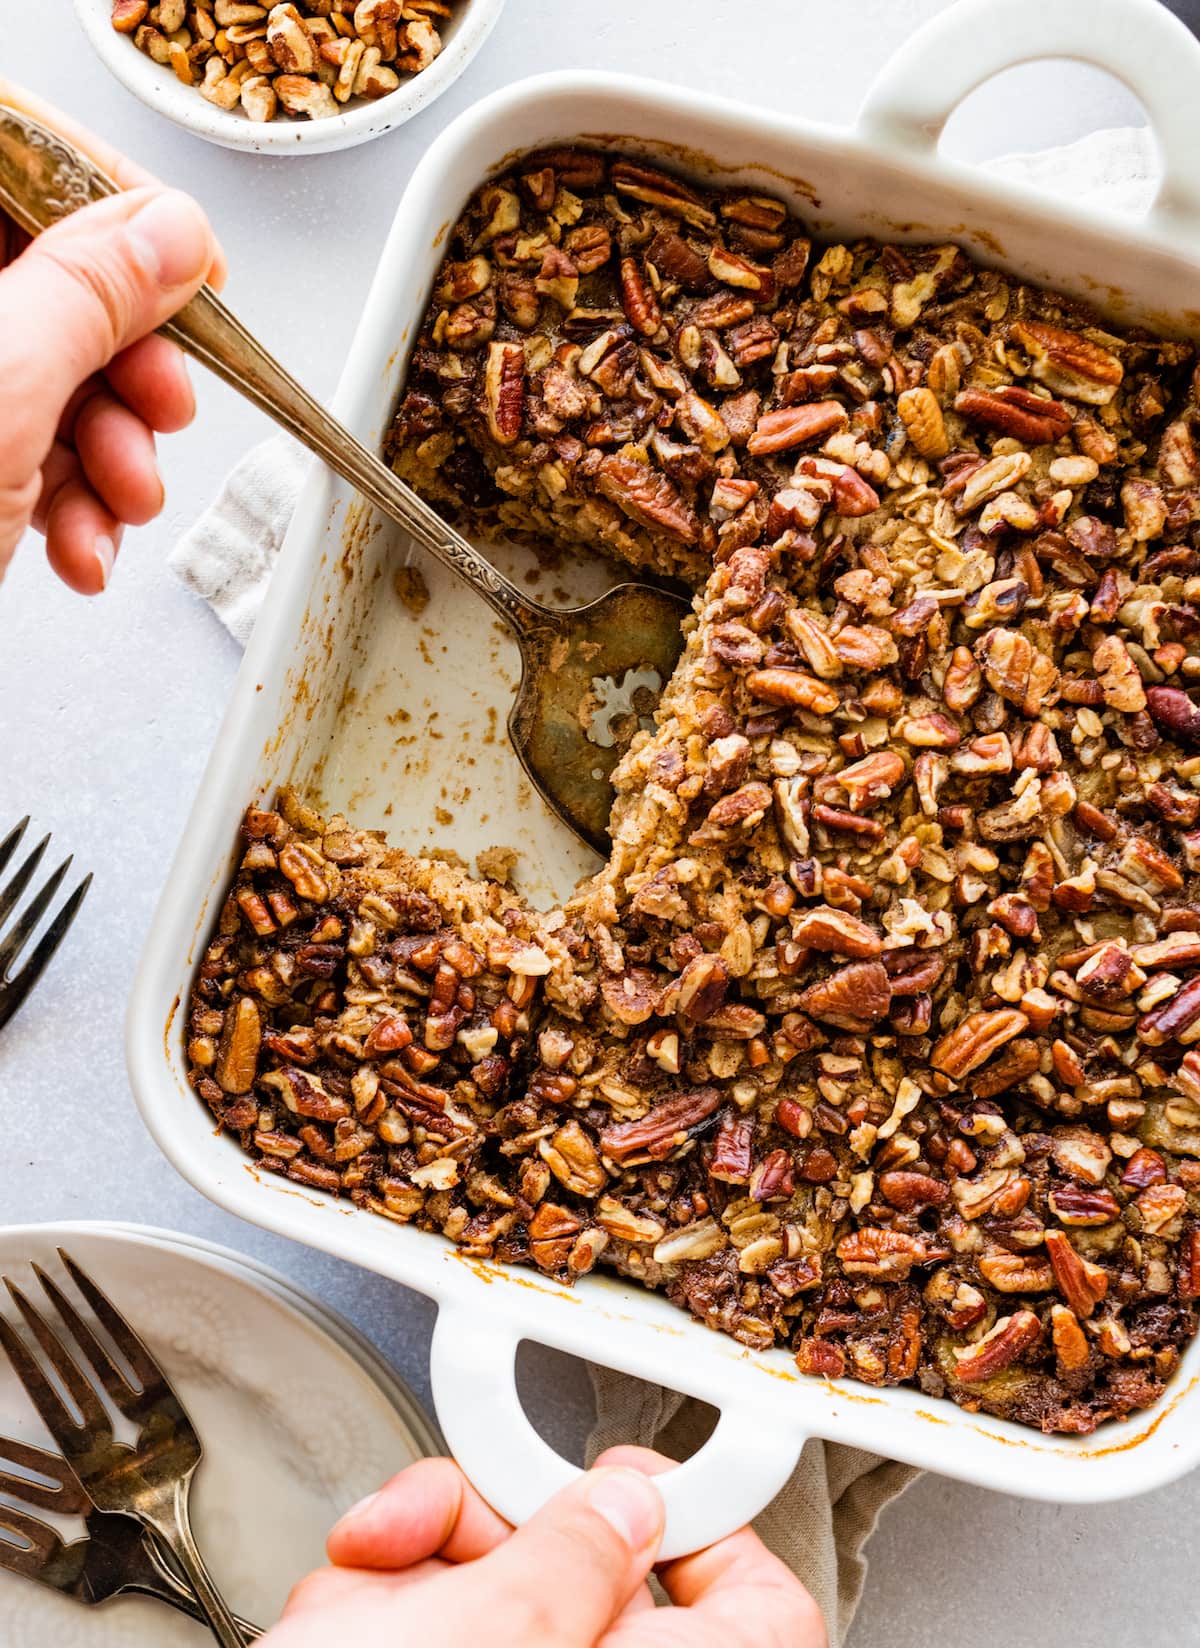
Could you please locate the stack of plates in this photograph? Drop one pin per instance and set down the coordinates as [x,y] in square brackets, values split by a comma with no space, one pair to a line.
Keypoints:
[300,1417]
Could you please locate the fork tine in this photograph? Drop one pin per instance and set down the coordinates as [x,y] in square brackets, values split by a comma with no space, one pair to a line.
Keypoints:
[14,993]
[19,933]
[37,1387]
[145,1369]
[62,1426]
[110,1376]
[41,1543]
[65,1496]
[12,841]
[21,879]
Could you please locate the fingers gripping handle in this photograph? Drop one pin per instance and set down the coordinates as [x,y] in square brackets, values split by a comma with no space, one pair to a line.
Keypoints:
[1137,41]
[737,1472]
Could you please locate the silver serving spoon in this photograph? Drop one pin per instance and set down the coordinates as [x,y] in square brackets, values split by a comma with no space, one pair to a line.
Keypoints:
[629,639]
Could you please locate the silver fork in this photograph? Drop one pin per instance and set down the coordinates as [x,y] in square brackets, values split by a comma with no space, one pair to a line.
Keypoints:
[14,991]
[117,1558]
[151,1480]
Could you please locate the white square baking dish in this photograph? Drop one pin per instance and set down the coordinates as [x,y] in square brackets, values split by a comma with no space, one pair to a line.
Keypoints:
[393,718]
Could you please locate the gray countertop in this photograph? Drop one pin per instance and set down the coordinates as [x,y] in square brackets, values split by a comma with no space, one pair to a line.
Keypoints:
[108,710]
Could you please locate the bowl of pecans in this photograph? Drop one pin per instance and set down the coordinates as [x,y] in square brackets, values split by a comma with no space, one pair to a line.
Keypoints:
[292,78]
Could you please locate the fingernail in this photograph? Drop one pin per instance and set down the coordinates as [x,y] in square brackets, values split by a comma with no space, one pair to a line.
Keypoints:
[170,238]
[628,1502]
[357,1510]
[106,553]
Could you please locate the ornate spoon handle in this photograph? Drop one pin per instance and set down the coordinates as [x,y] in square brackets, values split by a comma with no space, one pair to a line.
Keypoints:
[43,178]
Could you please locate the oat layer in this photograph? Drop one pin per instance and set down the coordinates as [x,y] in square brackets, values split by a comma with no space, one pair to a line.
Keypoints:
[874,1037]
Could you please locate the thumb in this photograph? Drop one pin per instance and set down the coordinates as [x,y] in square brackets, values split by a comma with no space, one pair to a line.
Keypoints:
[80,293]
[567,1573]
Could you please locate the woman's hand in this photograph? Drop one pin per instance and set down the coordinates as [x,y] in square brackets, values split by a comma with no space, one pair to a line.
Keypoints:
[427,1561]
[84,384]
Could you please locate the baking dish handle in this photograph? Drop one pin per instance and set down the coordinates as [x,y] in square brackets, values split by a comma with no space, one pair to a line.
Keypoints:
[472,1367]
[1139,42]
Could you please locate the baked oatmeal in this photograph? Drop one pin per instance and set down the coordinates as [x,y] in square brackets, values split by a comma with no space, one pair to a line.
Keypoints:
[878,1036]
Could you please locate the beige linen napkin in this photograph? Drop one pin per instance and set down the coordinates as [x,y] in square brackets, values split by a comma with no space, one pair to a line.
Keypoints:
[821,1521]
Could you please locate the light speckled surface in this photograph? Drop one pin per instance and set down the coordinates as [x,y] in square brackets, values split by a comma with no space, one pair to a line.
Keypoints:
[107,711]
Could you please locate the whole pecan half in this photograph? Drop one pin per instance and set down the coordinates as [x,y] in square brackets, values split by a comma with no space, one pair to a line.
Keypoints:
[663,1129]
[638,299]
[788,426]
[1016,412]
[825,928]
[1081,1283]
[884,1254]
[241,1041]
[1176,713]
[1068,363]
[1011,1337]
[854,998]
[973,1042]
[504,391]
[792,687]
[648,496]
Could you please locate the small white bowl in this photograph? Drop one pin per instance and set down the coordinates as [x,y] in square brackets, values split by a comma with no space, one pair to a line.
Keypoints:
[157,87]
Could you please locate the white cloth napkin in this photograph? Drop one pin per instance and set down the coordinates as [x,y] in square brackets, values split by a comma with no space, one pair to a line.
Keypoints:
[821,1521]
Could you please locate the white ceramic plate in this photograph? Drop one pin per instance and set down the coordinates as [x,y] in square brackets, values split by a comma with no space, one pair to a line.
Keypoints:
[295,1428]
[156,86]
[427,1440]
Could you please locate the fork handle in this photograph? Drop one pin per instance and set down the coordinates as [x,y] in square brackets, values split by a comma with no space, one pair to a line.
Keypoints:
[173,1528]
[162,1582]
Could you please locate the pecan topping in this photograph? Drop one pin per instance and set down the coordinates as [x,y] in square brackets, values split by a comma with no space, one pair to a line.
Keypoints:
[854,998]
[790,426]
[975,1040]
[1068,363]
[504,391]
[638,300]
[921,416]
[1016,412]
[662,1130]
[647,497]
[882,1022]
[1007,1342]
[1016,670]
